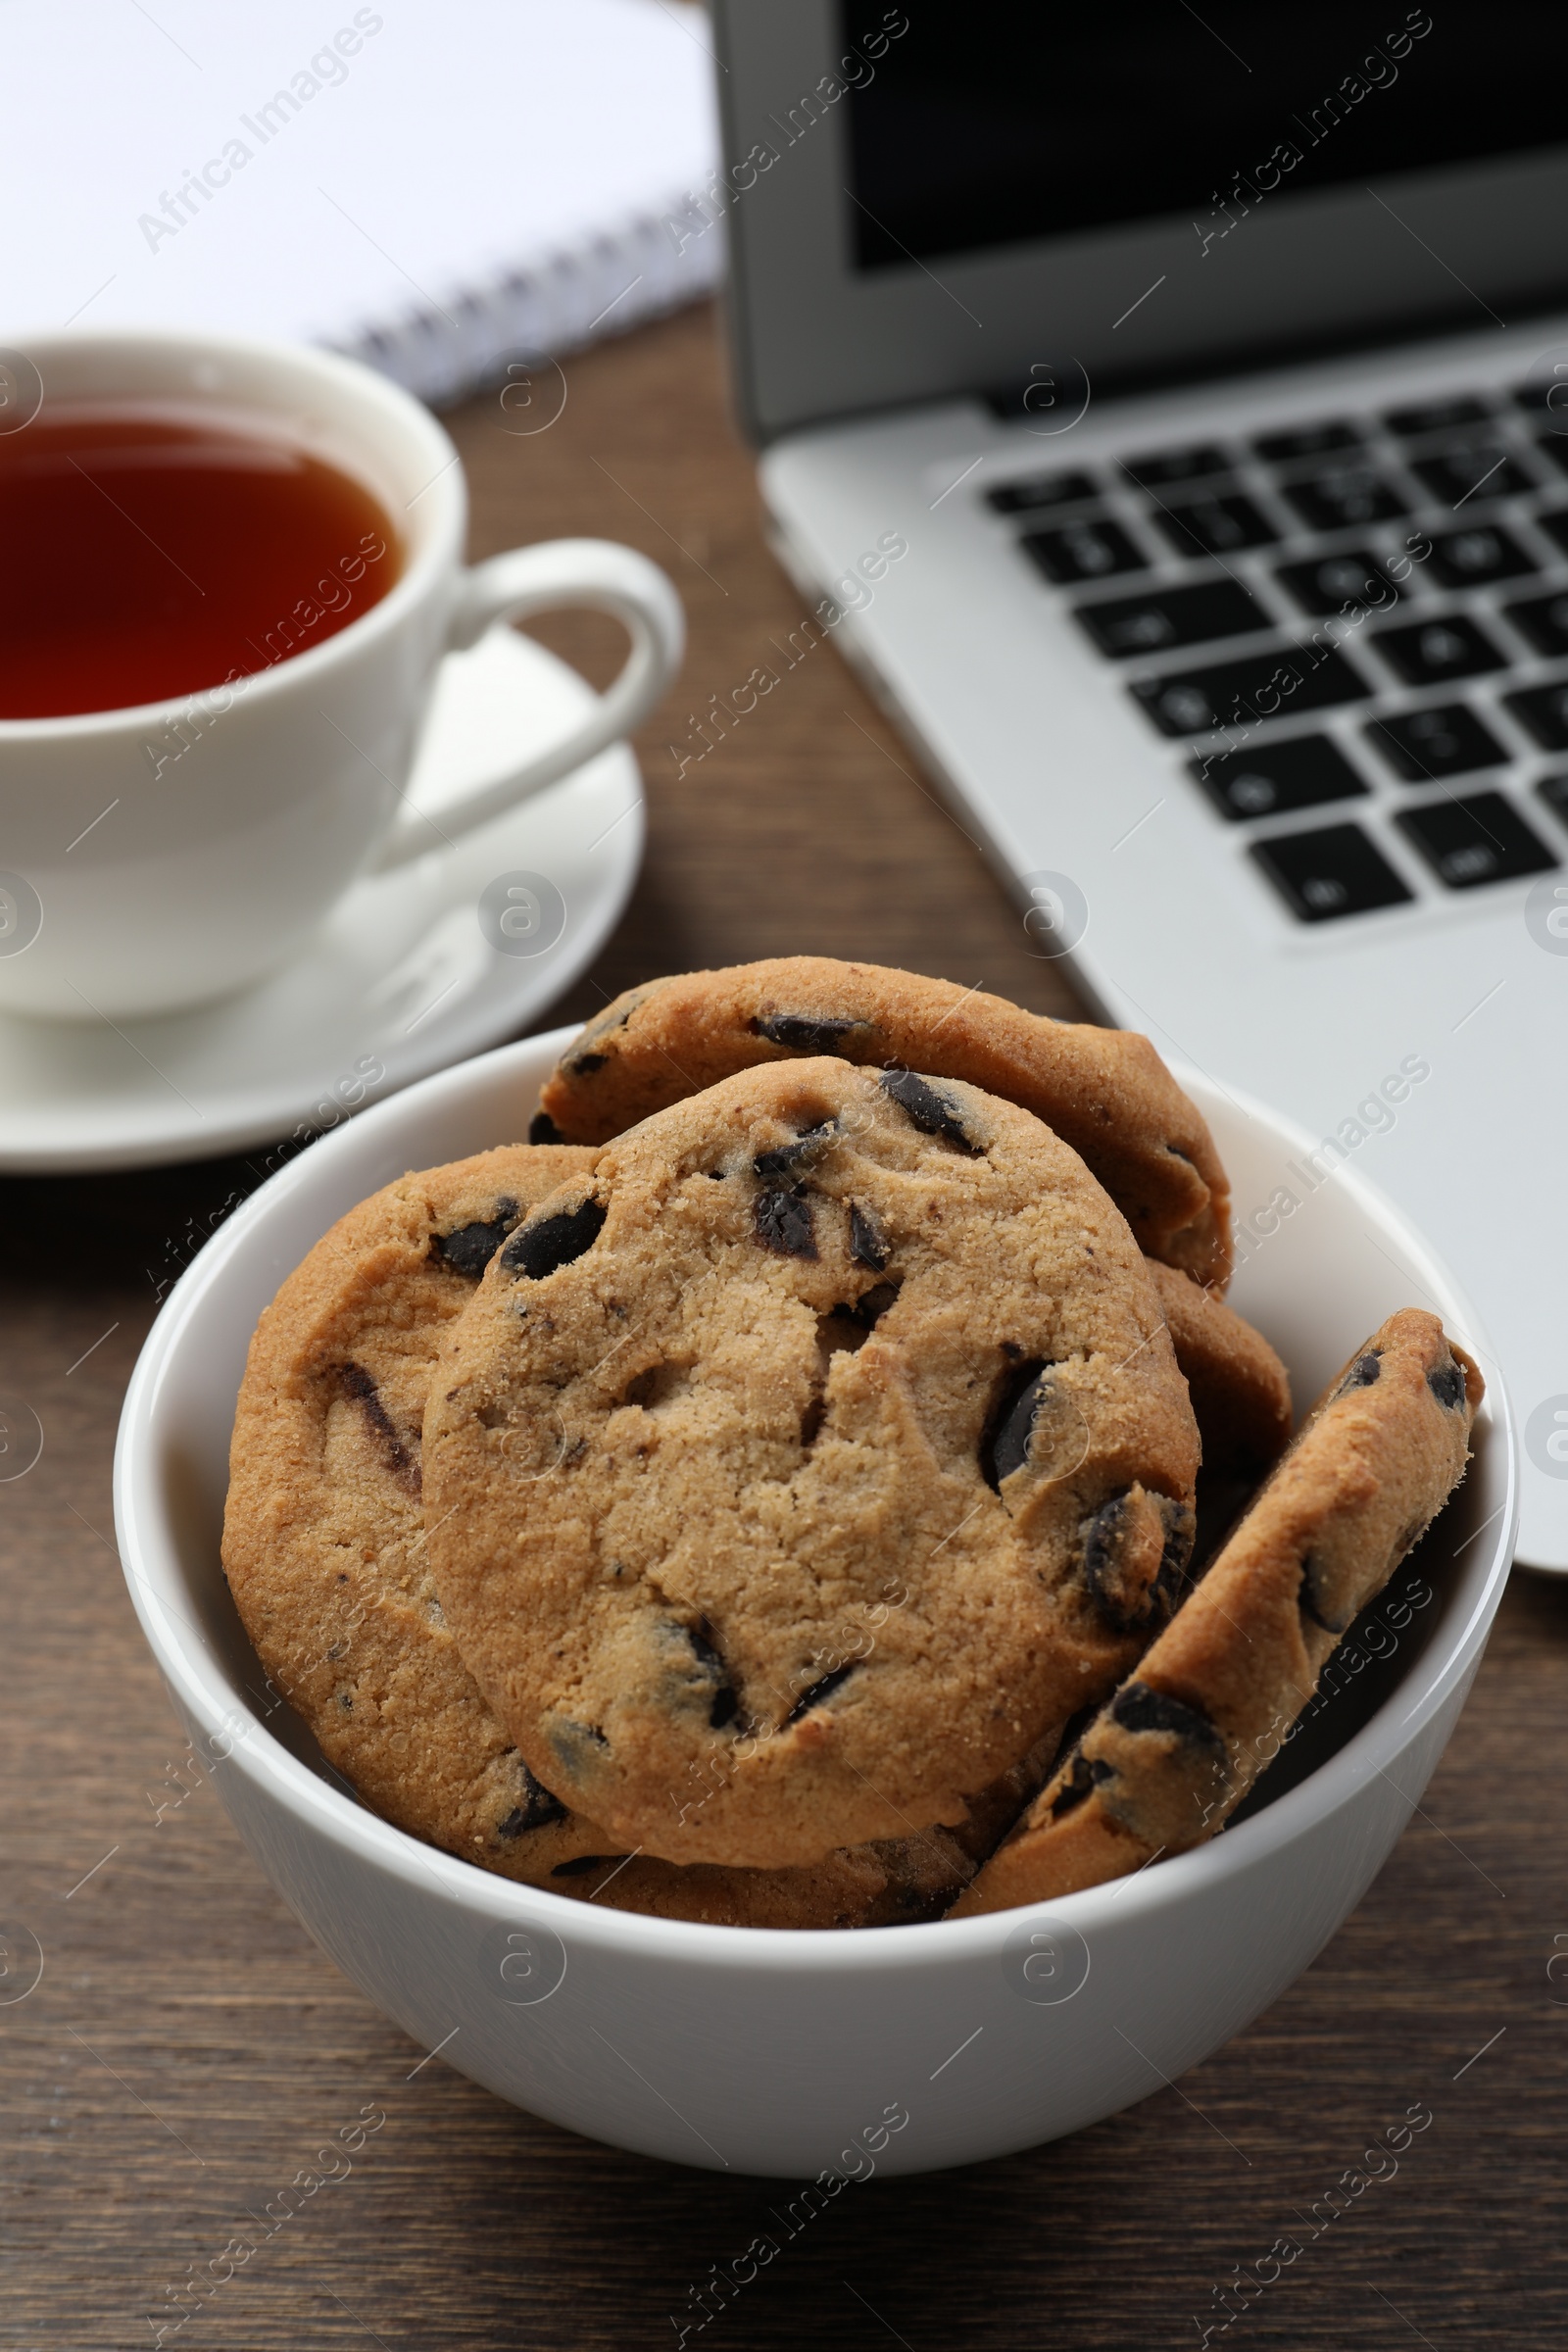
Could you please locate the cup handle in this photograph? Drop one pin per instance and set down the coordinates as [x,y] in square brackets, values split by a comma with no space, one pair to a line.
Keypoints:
[595,572]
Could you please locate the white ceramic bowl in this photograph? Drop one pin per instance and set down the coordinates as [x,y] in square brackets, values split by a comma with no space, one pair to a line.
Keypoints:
[899,2050]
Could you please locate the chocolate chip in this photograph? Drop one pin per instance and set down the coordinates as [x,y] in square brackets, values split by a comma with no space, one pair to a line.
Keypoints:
[1083,1778]
[726,1698]
[537,1810]
[927,1108]
[1135,1550]
[1447,1383]
[1364,1373]
[1312,1600]
[537,1249]
[1137,1708]
[799,1032]
[814,1696]
[782,1223]
[580,1864]
[789,1156]
[868,1244]
[1074,1789]
[583,1065]
[403,1463]
[1004,1440]
[468,1249]
[542,1129]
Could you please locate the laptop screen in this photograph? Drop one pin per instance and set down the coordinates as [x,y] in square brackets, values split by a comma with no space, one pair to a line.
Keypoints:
[928,201]
[984,129]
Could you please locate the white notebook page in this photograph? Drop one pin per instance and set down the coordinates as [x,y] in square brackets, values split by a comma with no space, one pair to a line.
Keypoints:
[428,184]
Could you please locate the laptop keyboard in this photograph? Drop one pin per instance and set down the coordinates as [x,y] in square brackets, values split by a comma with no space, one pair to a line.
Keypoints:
[1415,561]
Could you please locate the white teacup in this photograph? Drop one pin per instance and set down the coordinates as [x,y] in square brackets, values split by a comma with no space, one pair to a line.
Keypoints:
[245,811]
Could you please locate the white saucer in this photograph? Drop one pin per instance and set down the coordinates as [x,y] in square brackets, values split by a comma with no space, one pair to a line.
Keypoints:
[400,981]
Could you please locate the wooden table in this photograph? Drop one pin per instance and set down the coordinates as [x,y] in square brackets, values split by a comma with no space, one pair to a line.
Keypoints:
[187,2047]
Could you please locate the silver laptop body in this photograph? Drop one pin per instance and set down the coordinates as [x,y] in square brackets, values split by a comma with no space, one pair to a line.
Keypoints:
[1170,420]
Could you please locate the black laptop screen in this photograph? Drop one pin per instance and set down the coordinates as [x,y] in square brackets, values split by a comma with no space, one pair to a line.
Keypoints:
[974,127]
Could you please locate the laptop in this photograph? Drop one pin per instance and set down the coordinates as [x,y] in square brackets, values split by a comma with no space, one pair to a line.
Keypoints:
[1167,414]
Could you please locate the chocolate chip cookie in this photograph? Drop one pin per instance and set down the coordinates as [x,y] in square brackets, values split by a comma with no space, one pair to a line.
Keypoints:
[1105,1092]
[813,1456]
[1166,1762]
[324,1549]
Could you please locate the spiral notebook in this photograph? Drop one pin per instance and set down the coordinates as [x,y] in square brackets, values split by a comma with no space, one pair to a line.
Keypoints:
[432,188]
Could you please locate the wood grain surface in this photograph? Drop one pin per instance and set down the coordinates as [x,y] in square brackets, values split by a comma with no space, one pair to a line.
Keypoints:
[186,2047]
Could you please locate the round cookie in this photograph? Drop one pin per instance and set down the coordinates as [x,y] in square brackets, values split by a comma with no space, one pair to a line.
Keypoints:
[1105,1092]
[1239,1390]
[323,1546]
[1167,1761]
[809,1338]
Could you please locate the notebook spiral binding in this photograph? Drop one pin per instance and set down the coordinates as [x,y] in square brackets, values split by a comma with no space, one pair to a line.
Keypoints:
[442,350]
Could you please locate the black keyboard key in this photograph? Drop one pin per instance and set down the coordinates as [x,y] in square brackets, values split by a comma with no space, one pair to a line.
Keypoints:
[1470,558]
[1281,776]
[1480,839]
[1331,582]
[1554,790]
[1083,551]
[1545,396]
[1543,710]
[1163,467]
[1307,441]
[1345,497]
[1543,622]
[1476,470]
[1214,526]
[1435,417]
[1429,653]
[1556,527]
[1162,616]
[1279,681]
[1424,746]
[1333,872]
[1041,490]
